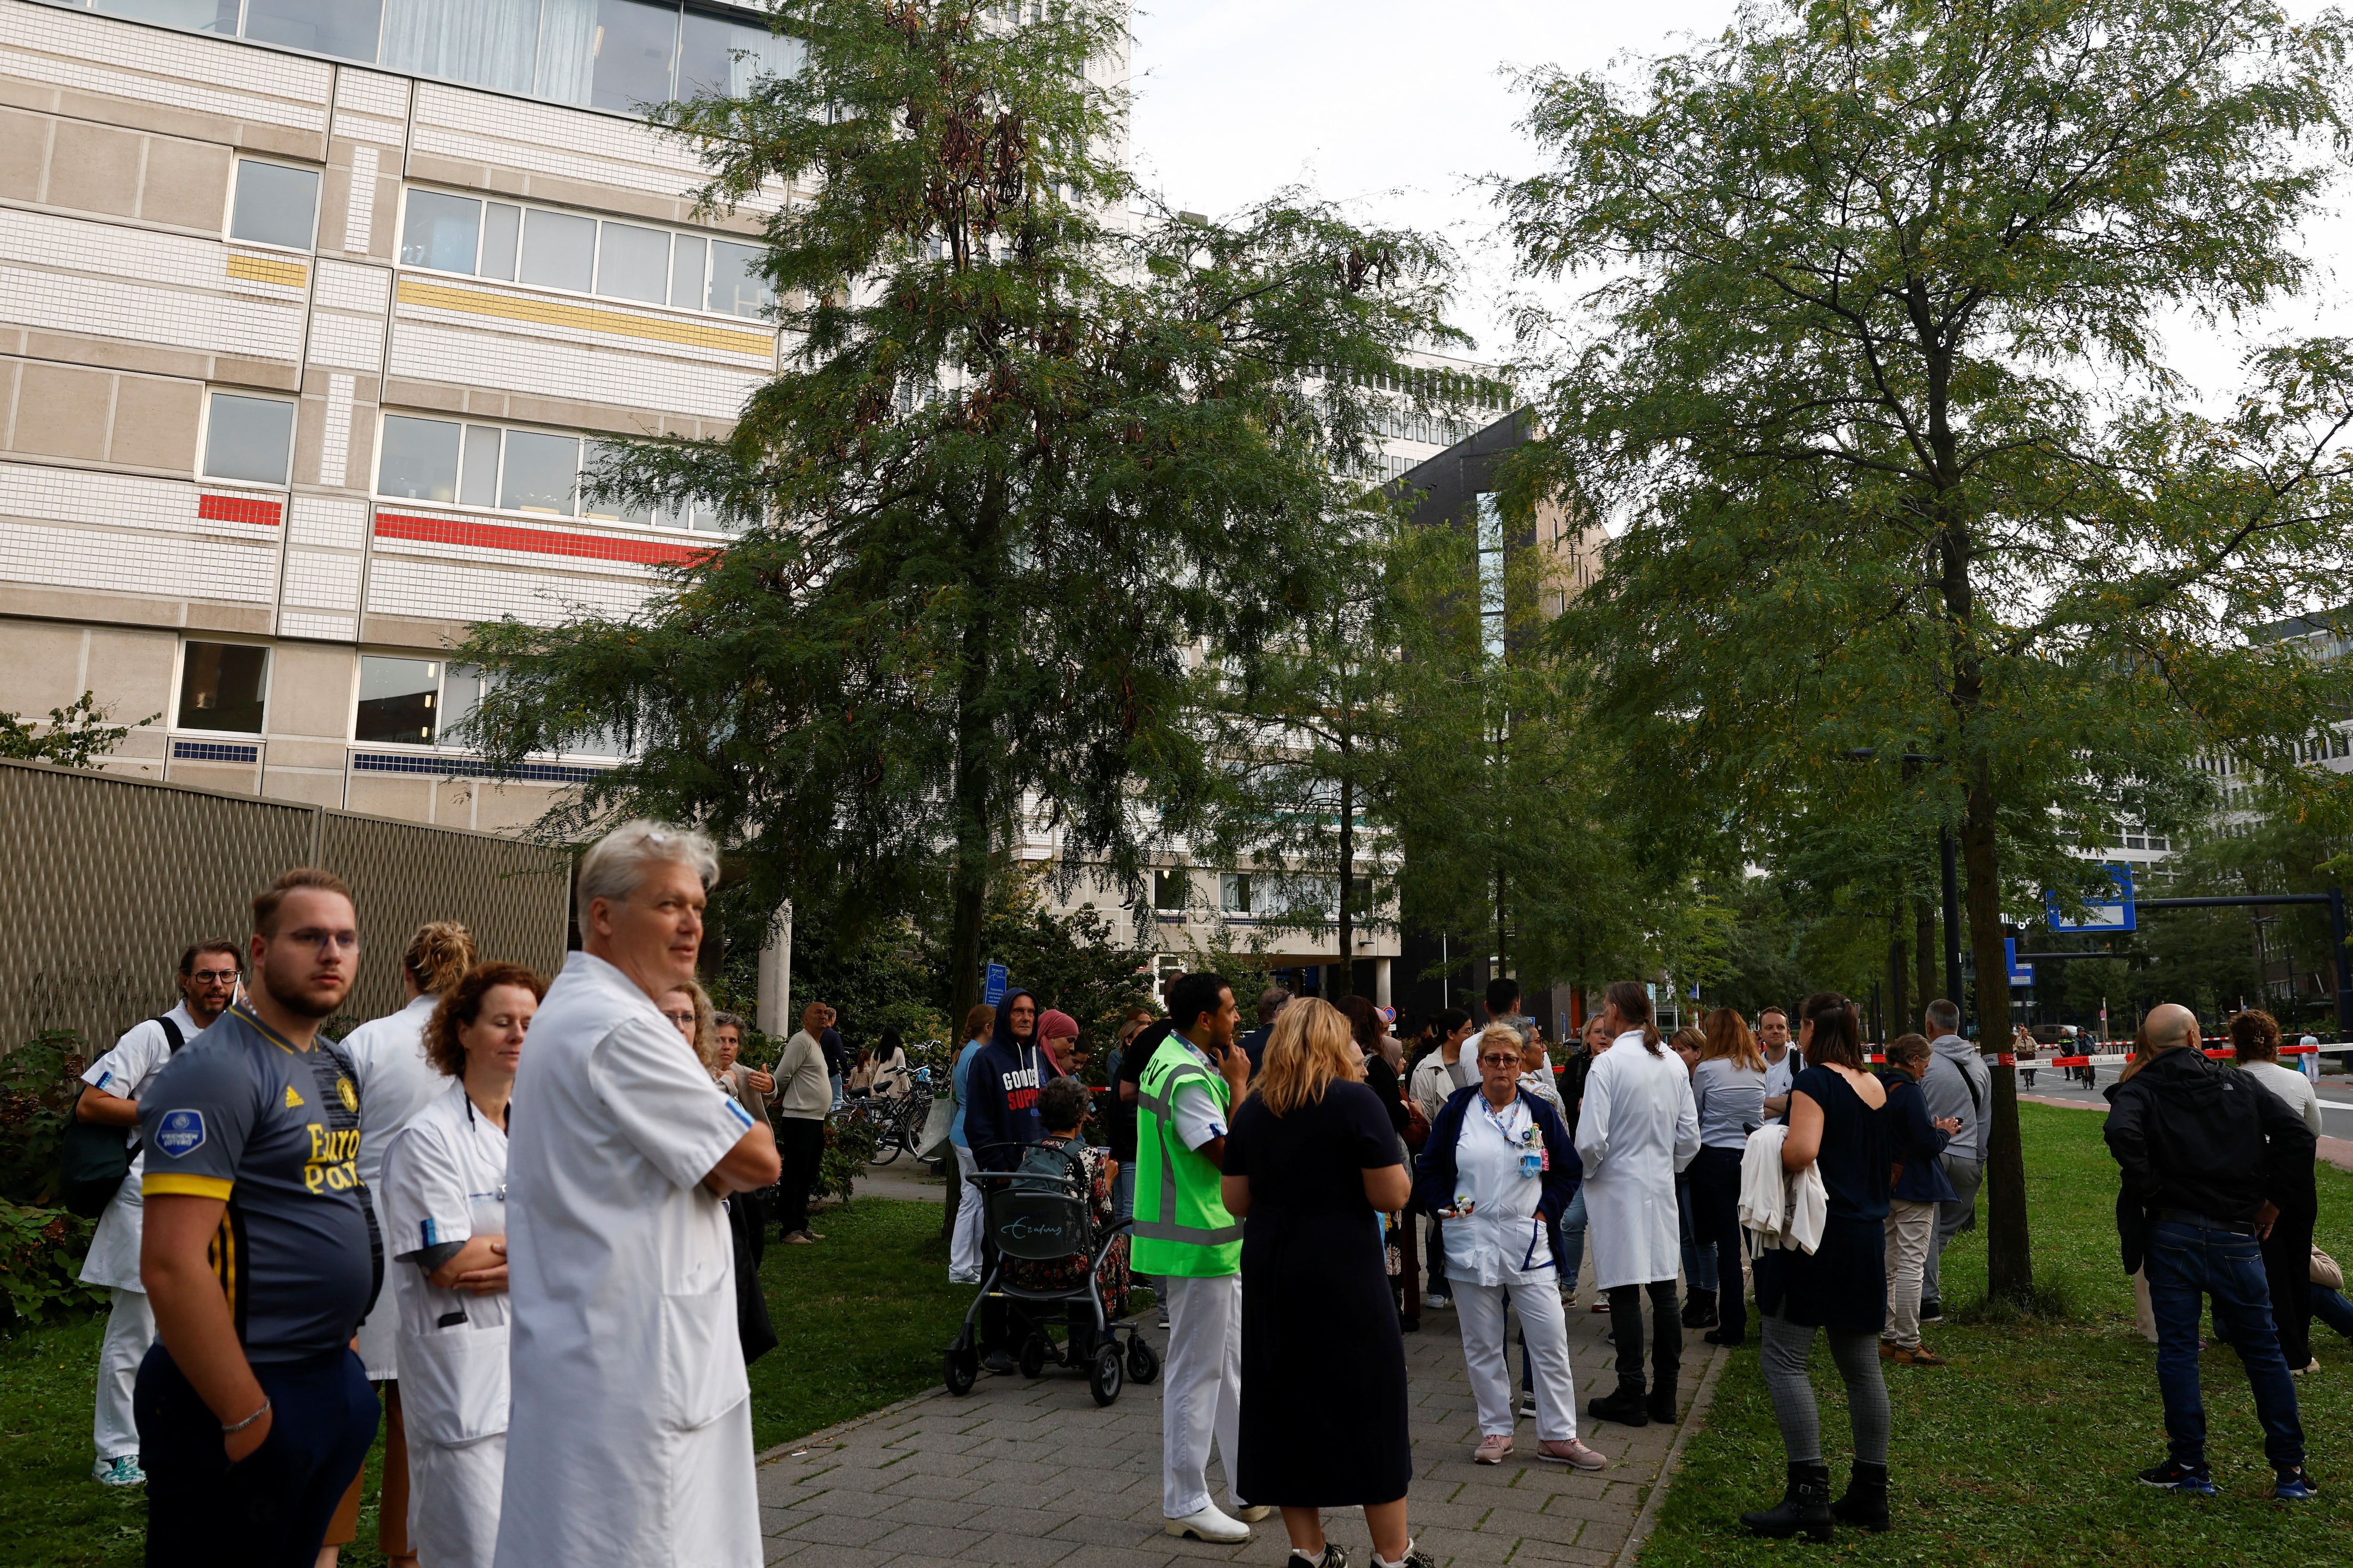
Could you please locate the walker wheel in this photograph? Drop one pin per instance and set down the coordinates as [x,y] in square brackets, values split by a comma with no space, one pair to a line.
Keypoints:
[1143,1360]
[963,1369]
[1103,1376]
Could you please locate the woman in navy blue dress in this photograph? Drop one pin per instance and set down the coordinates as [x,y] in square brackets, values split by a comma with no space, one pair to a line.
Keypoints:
[1838,1124]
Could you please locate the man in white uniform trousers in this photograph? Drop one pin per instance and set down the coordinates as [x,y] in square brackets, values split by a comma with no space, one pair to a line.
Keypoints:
[395,1081]
[1498,1165]
[630,1433]
[208,975]
[1638,1128]
[445,1200]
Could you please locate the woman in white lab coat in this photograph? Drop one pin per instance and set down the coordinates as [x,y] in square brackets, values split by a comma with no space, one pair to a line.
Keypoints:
[444,1197]
[1638,1129]
[1498,1167]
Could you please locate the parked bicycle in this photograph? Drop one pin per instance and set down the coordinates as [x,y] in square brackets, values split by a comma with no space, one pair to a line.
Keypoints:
[897,1119]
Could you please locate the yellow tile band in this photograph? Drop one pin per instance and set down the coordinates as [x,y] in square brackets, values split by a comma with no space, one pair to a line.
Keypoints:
[266,270]
[585,318]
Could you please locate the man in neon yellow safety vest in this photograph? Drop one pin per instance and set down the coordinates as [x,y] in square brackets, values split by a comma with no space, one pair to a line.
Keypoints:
[1185,1236]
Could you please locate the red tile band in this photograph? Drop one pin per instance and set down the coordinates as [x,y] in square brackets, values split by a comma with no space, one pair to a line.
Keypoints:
[499,536]
[238,508]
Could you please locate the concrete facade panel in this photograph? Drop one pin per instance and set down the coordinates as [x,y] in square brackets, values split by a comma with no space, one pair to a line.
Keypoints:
[63,411]
[185,183]
[154,424]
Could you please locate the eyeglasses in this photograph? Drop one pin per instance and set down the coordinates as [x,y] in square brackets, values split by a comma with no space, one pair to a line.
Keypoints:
[684,1019]
[1499,1061]
[214,976]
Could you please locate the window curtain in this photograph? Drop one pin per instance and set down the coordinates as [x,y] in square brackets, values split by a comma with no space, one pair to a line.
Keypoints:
[567,49]
[760,53]
[489,42]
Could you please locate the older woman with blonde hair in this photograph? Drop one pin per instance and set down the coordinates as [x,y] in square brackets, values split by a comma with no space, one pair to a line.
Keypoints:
[1311,1164]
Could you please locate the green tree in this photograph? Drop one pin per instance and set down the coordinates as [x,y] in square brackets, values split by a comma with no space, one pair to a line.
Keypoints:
[76,737]
[1026,448]
[1874,378]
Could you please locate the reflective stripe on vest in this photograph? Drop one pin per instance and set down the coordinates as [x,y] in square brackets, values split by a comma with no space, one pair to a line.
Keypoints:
[1166,1243]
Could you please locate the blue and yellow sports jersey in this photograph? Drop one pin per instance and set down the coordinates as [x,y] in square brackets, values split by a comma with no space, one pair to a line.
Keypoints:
[241,1115]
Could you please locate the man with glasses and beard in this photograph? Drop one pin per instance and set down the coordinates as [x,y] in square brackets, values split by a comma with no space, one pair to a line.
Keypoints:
[260,1256]
[208,976]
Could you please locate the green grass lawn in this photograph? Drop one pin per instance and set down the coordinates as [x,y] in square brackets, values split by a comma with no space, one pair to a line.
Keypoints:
[862,1319]
[2022,1451]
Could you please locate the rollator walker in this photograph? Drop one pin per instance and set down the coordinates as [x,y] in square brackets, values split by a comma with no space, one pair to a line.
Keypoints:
[1040,1213]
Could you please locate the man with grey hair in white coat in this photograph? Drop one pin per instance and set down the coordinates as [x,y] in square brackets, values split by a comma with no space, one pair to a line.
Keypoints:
[1639,1129]
[629,1432]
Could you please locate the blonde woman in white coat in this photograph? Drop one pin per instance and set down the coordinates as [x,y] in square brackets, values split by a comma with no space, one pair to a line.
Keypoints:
[445,1185]
[1638,1129]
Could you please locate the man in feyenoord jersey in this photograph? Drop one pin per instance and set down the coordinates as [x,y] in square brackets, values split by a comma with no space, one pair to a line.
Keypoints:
[259,1255]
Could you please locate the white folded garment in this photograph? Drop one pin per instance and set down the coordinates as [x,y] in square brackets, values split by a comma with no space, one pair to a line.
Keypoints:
[1779,1208]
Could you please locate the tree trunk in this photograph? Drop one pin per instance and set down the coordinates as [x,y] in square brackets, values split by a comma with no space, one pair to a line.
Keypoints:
[2009,1260]
[1899,1004]
[1924,953]
[1344,977]
[968,882]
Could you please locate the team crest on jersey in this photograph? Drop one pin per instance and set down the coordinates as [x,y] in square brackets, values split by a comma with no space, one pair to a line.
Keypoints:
[351,1096]
[180,1133]
[293,1101]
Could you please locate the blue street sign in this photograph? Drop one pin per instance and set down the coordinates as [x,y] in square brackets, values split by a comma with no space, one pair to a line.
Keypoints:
[2114,912]
[992,989]
[2020,975]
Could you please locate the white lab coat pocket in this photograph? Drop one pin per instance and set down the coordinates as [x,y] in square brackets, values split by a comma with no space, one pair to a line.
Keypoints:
[453,1384]
[701,1358]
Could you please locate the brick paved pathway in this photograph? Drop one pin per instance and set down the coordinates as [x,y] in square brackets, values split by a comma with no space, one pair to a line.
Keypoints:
[1033,1473]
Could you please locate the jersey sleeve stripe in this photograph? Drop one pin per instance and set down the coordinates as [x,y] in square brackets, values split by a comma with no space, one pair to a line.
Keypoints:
[174,1184]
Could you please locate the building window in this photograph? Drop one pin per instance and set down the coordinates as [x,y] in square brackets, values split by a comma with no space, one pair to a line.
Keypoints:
[248,438]
[552,249]
[1171,891]
[347,29]
[222,687]
[1491,574]
[616,55]
[444,461]
[1234,892]
[414,701]
[276,204]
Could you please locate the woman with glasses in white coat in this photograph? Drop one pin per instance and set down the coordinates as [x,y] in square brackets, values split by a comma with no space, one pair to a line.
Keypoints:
[1500,1170]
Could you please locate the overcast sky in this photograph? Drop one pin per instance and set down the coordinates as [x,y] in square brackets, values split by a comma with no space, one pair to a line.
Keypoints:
[1397,107]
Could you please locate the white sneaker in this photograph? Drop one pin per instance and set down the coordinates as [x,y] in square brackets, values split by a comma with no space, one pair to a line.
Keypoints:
[963,1279]
[1528,1405]
[1251,1512]
[1437,1303]
[1209,1524]
[122,1470]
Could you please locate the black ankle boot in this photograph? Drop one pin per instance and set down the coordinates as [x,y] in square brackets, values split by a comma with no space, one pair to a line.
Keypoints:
[1806,1506]
[1624,1407]
[1865,1502]
[1660,1405]
[1699,1312]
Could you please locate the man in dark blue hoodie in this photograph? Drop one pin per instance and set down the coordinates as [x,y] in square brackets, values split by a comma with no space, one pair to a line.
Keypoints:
[1000,1117]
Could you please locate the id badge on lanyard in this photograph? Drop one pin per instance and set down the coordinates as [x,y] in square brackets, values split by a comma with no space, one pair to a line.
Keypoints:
[1535,1158]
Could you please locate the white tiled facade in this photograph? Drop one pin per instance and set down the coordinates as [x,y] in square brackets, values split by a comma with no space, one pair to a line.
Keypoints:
[130,306]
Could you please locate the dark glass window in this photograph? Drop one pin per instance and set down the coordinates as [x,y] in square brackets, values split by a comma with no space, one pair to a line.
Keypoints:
[635,45]
[347,29]
[397,701]
[221,687]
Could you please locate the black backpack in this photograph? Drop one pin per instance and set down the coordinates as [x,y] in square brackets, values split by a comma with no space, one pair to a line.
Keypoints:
[97,1157]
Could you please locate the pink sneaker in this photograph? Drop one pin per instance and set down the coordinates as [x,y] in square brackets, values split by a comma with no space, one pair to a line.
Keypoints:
[1571,1453]
[1492,1450]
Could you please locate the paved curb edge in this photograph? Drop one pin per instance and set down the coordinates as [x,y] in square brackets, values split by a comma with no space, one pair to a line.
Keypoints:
[829,1437]
[1649,1517]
